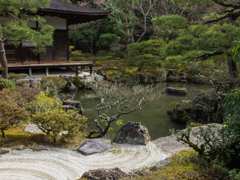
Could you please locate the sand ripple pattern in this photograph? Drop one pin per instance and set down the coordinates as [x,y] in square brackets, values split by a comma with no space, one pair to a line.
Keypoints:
[62,164]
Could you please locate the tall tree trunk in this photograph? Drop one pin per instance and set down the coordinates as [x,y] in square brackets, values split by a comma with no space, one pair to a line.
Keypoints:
[233,72]
[126,28]
[54,138]
[48,138]
[3,133]
[3,59]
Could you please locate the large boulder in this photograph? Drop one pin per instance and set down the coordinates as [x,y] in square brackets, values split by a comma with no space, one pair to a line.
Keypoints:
[161,76]
[24,75]
[32,128]
[19,147]
[171,72]
[4,150]
[132,133]
[39,148]
[103,174]
[180,112]
[176,91]
[64,76]
[136,77]
[75,105]
[99,78]
[200,79]
[145,79]
[172,78]
[70,87]
[99,72]
[93,146]
[35,84]
[205,107]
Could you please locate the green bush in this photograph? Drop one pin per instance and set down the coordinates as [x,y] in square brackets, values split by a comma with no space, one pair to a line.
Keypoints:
[4,83]
[123,80]
[98,63]
[234,174]
[27,93]
[93,59]
[107,58]
[113,79]
[52,84]
[13,76]
[76,80]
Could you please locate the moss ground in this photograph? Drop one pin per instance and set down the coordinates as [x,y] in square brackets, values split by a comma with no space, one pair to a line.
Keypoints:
[16,136]
[186,166]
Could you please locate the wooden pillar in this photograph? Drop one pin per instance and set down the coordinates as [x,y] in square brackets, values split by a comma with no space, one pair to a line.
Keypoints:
[90,69]
[81,68]
[30,71]
[47,72]
[76,70]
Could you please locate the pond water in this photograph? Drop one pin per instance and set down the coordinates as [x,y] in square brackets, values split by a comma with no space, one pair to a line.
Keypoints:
[154,115]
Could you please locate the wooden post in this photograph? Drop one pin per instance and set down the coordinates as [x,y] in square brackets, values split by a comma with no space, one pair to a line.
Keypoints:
[47,72]
[90,69]
[30,71]
[81,68]
[76,70]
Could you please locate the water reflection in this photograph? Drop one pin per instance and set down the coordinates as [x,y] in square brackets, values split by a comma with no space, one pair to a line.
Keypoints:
[153,116]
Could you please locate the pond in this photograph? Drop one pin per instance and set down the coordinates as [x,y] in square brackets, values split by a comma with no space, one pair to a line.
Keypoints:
[154,115]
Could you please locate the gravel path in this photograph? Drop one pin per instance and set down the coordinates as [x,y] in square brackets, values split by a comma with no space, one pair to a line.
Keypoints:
[62,164]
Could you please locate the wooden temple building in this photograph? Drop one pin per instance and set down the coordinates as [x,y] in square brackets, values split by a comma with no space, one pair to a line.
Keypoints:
[59,15]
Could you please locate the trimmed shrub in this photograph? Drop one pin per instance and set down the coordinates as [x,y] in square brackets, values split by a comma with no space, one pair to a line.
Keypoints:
[13,76]
[4,83]
[76,80]
[123,80]
[27,93]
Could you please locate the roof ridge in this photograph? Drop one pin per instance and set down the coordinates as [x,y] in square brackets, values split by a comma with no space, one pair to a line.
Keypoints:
[64,6]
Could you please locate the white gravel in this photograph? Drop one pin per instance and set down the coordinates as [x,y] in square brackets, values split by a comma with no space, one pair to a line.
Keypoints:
[63,164]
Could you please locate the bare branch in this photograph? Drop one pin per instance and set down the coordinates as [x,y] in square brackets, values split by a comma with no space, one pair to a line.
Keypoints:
[127,97]
[216,20]
[98,125]
[208,55]
[227,5]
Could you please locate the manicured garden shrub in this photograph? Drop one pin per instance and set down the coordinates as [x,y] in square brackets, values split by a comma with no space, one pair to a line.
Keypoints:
[12,109]
[4,83]
[27,93]
[52,84]
[123,80]
[58,120]
[76,80]
[13,76]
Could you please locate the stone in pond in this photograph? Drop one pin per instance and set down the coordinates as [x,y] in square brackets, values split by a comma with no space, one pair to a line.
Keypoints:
[176,91]
[132,133]
[93,146]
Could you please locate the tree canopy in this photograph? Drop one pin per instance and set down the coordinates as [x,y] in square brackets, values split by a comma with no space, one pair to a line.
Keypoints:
[14,29]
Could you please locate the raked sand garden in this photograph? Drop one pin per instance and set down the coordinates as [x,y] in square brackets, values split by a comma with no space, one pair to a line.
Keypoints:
[61,164]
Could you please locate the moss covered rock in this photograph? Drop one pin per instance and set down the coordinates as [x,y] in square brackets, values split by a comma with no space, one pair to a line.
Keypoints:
[132,133]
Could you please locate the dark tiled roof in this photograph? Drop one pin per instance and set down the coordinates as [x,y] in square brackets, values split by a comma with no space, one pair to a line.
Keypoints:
[59,5]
